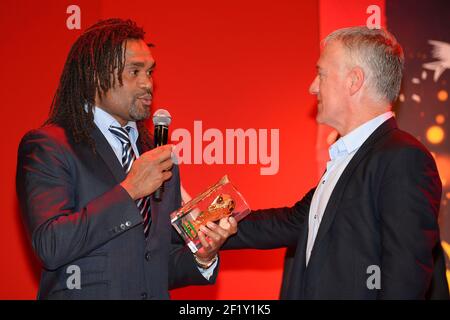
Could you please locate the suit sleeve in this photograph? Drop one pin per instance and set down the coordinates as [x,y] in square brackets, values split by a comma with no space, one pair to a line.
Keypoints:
[408,205]
[272,228]
[59,232]
[183,270]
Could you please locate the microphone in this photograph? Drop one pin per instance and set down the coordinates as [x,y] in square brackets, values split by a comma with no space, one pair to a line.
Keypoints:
[161,120]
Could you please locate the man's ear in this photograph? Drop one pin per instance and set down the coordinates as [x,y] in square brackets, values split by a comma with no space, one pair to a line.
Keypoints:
[356,80]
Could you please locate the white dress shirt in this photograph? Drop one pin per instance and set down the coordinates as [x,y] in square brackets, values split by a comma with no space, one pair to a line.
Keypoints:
[341,152]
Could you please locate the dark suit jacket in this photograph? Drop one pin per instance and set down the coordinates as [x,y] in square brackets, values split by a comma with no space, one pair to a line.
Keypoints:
[76,213]
[382,212]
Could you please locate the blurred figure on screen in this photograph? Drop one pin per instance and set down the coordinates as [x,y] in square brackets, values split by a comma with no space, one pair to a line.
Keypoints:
[369,229]
[85,181]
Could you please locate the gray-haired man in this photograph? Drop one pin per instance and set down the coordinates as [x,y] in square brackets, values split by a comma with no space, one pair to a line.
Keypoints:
[369,229]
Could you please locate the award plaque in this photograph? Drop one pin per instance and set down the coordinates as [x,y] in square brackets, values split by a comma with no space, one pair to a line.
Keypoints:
[218,201]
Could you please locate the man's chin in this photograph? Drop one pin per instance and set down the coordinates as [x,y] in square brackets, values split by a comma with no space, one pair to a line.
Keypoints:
[140,113]
[140,117]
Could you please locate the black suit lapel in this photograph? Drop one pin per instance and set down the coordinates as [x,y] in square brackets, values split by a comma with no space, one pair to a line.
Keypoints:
[107,154]
[338,191]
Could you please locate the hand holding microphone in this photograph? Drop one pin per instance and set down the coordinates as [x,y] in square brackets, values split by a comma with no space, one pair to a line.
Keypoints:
[152,168]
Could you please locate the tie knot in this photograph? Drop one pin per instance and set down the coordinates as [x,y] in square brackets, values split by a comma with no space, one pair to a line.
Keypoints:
[121,133]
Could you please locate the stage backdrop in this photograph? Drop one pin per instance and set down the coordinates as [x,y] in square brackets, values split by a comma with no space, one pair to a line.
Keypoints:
[221,66]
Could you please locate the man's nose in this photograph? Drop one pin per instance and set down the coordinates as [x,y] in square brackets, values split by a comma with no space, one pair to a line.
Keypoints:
[146,83]
[314,87]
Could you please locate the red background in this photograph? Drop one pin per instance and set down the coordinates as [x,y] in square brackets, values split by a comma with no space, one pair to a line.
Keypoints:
[232,64]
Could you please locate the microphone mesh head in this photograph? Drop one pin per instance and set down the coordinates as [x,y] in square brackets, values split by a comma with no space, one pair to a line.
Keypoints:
[162,117]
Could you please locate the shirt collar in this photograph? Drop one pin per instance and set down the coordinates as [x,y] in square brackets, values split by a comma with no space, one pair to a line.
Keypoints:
[104,121]
[353,140]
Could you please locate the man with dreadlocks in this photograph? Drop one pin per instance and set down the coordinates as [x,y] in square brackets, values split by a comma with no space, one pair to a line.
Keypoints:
[85,179]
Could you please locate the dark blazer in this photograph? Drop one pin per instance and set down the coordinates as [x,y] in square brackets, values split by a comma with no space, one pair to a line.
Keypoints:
[76,213]
[382,212]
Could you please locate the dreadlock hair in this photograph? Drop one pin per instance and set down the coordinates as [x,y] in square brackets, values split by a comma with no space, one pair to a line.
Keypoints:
[91,67]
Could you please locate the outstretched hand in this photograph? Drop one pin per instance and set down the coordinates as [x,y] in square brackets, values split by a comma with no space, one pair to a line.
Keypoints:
[212,237]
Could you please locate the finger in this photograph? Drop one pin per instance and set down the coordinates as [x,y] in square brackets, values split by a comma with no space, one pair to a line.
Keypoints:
[164,155]
[233,225]
[211,234]
[154,151]
[160,153]
[229,224]
[167,148]
[166,165]
[166,175]
[203,241]
[217,229]
[224,224]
